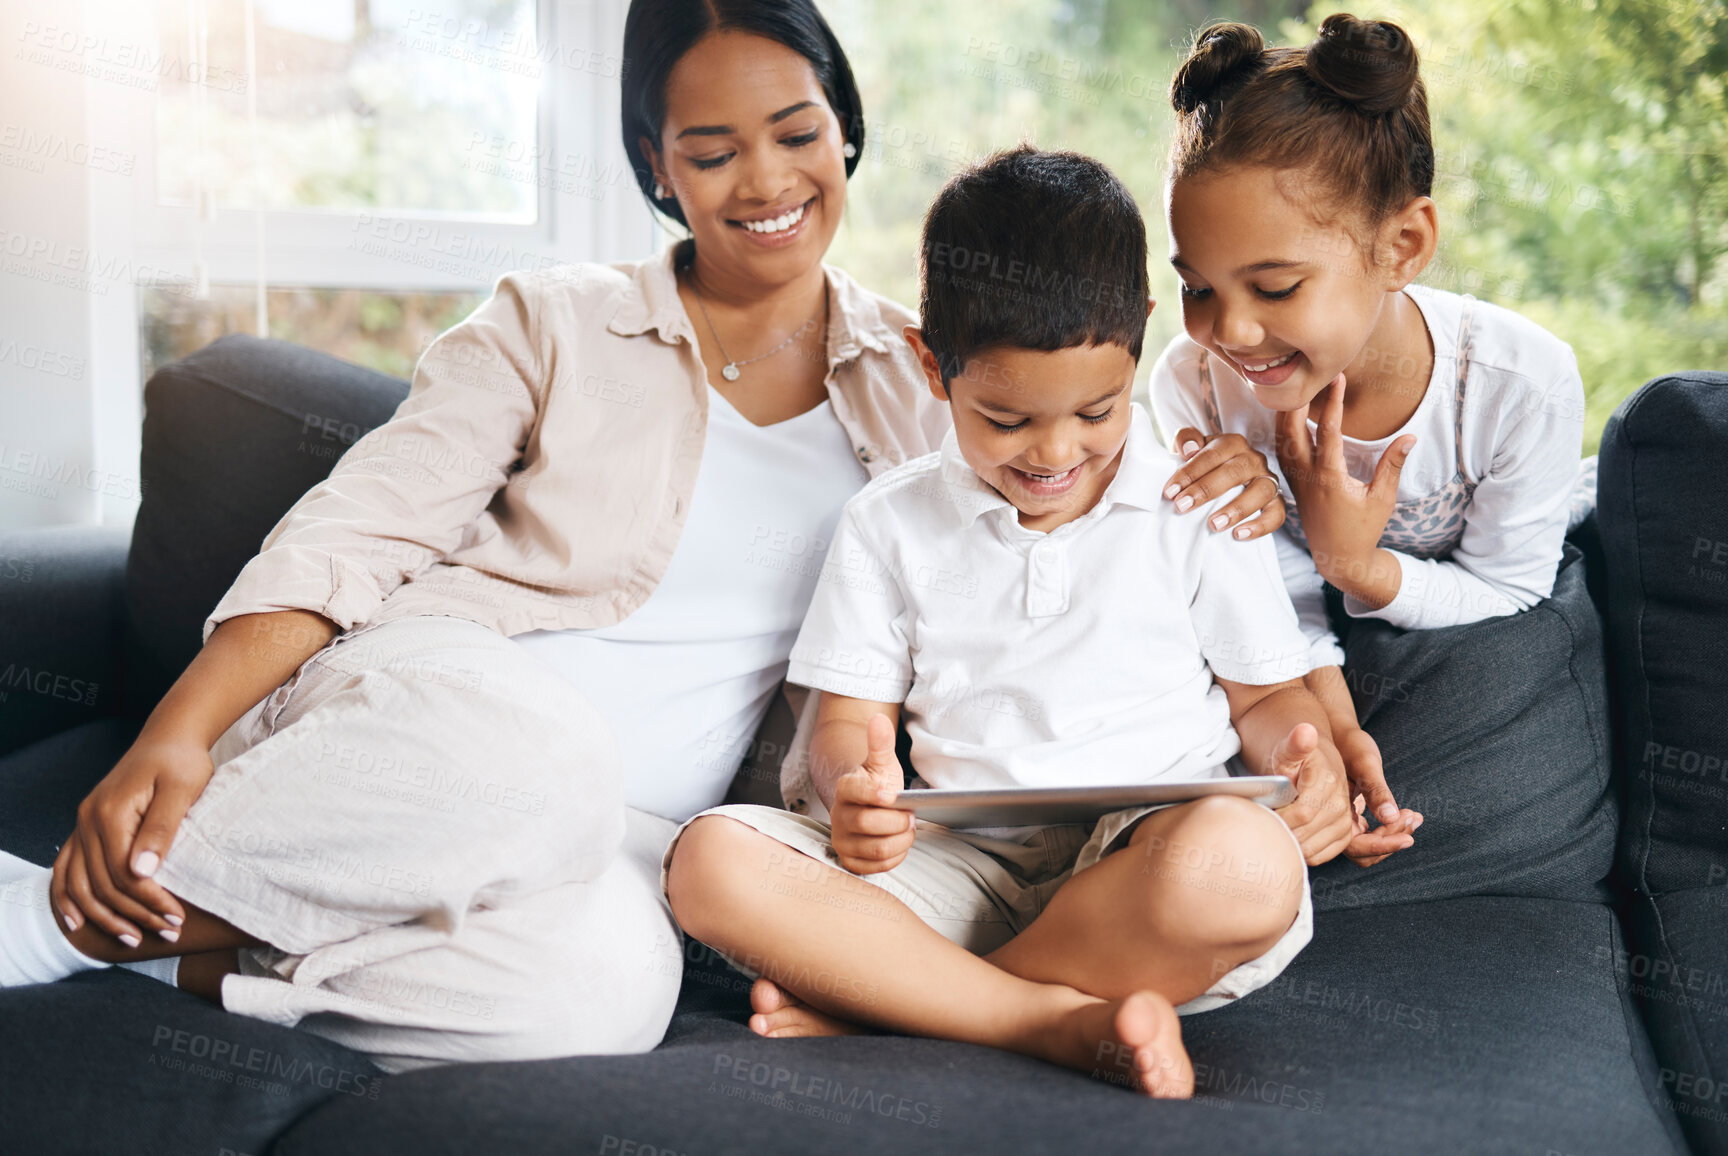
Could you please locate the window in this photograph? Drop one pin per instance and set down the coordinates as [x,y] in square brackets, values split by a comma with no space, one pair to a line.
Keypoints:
[383,159]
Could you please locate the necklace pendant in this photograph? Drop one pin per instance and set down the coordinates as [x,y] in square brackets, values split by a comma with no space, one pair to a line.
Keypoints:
[730,372]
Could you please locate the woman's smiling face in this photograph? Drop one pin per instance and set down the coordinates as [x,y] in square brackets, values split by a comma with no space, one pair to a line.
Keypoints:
[1287,302]
[752,151]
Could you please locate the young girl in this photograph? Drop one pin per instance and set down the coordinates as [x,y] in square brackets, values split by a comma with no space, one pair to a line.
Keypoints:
[1429,441]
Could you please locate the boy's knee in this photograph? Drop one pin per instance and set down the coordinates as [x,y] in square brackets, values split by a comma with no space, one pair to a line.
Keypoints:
[1225,869]
[710,852]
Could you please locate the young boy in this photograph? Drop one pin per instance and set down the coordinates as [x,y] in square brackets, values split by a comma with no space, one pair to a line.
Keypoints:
[1039,617]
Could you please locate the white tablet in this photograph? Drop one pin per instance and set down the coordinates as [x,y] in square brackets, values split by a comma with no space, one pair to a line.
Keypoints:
[1047,806]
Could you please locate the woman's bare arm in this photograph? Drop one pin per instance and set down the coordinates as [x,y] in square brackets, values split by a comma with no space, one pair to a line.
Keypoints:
[127,823]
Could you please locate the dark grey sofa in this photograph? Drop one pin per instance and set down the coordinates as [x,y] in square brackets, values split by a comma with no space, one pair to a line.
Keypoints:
[1543,974]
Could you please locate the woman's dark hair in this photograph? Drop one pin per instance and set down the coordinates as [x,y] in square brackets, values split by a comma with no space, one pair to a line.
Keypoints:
[657,34]
[1032,250]
[1348,109]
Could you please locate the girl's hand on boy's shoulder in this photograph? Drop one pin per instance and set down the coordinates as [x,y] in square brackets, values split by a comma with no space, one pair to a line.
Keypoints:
[868,834]
[1216,464]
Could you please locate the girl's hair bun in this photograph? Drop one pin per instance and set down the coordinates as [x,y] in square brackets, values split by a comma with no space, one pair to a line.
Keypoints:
[1223,55]
[1369,64]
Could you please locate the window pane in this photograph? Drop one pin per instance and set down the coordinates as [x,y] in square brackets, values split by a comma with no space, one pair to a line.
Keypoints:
[361,104]
[381,330]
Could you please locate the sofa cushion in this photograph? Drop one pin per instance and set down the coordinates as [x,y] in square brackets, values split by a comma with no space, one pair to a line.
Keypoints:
[61,601]
[110,1061]
[1476,1025]
[1498,733]
[42,785]
[1662,504]
[233,436]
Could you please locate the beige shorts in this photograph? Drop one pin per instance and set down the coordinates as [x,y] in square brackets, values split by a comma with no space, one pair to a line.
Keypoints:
[980,892]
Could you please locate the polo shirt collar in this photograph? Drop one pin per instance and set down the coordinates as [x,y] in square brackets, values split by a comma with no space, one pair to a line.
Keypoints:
[1137,481]
[650,302]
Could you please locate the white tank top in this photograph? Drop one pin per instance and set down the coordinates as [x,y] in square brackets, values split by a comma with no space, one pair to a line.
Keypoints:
[686,679]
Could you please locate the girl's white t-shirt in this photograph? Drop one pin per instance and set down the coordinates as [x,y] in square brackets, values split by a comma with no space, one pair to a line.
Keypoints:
[1516,434]
[686,679]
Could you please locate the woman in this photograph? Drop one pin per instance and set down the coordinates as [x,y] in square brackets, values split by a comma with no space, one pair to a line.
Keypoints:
[372,794]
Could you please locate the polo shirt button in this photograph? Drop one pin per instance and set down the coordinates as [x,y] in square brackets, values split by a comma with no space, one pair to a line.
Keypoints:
[864,454]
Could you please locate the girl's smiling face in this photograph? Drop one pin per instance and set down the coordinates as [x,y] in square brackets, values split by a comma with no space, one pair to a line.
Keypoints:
[1289,303]
[752,151]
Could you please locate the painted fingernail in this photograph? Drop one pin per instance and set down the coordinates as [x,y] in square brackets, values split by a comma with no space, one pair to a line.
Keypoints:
[1171,490]
[144,864]
[174,919]
[169,934]
[1189,449]
[1219,521]
[128,939]
[1185,503]
[73,920]
[1242,532]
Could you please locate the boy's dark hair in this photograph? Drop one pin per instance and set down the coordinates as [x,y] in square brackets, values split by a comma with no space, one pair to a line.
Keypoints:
[1034,250]
[1349,108]
[657,34]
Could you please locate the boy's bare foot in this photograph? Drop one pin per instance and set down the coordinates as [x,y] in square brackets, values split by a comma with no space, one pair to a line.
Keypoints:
[1135,1042]
[781,1015]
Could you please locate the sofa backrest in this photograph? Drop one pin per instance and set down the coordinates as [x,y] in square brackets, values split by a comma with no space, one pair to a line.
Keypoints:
[233,436]
[1662,508]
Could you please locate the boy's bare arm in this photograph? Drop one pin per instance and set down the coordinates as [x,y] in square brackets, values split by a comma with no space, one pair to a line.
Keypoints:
[840,742]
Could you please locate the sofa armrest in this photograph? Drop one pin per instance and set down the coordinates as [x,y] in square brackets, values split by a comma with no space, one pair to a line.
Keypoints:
[61,618]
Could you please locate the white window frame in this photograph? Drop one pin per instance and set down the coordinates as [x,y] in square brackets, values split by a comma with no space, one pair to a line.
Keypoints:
[578,114]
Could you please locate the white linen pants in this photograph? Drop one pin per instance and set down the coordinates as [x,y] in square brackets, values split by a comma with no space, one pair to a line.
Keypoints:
[427,826]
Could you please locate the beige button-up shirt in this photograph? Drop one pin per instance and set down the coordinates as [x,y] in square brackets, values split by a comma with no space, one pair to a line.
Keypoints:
[538,474]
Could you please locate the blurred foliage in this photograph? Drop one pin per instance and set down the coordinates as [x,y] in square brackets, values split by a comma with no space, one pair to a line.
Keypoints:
[381,330]
[368,104]
[1582,147]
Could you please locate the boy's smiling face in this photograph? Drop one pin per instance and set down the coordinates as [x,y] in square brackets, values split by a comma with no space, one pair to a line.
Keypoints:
[1045,429]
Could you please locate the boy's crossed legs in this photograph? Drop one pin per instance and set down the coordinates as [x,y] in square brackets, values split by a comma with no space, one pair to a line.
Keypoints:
[1090,983]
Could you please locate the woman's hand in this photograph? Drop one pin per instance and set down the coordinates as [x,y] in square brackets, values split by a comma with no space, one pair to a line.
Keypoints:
[1218,464]
[125,827]
[1342,518]
[869,835]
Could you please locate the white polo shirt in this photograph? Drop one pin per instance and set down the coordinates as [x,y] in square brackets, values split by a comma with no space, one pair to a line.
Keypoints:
[1082,656]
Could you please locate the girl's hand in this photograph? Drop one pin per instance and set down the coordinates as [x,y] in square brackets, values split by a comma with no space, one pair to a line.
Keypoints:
[1367,777]
[1342,518]
[1217,465]
[869,835]
[125,827]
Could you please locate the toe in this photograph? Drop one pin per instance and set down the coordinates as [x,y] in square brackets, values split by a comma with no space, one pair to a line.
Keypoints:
[768,997]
